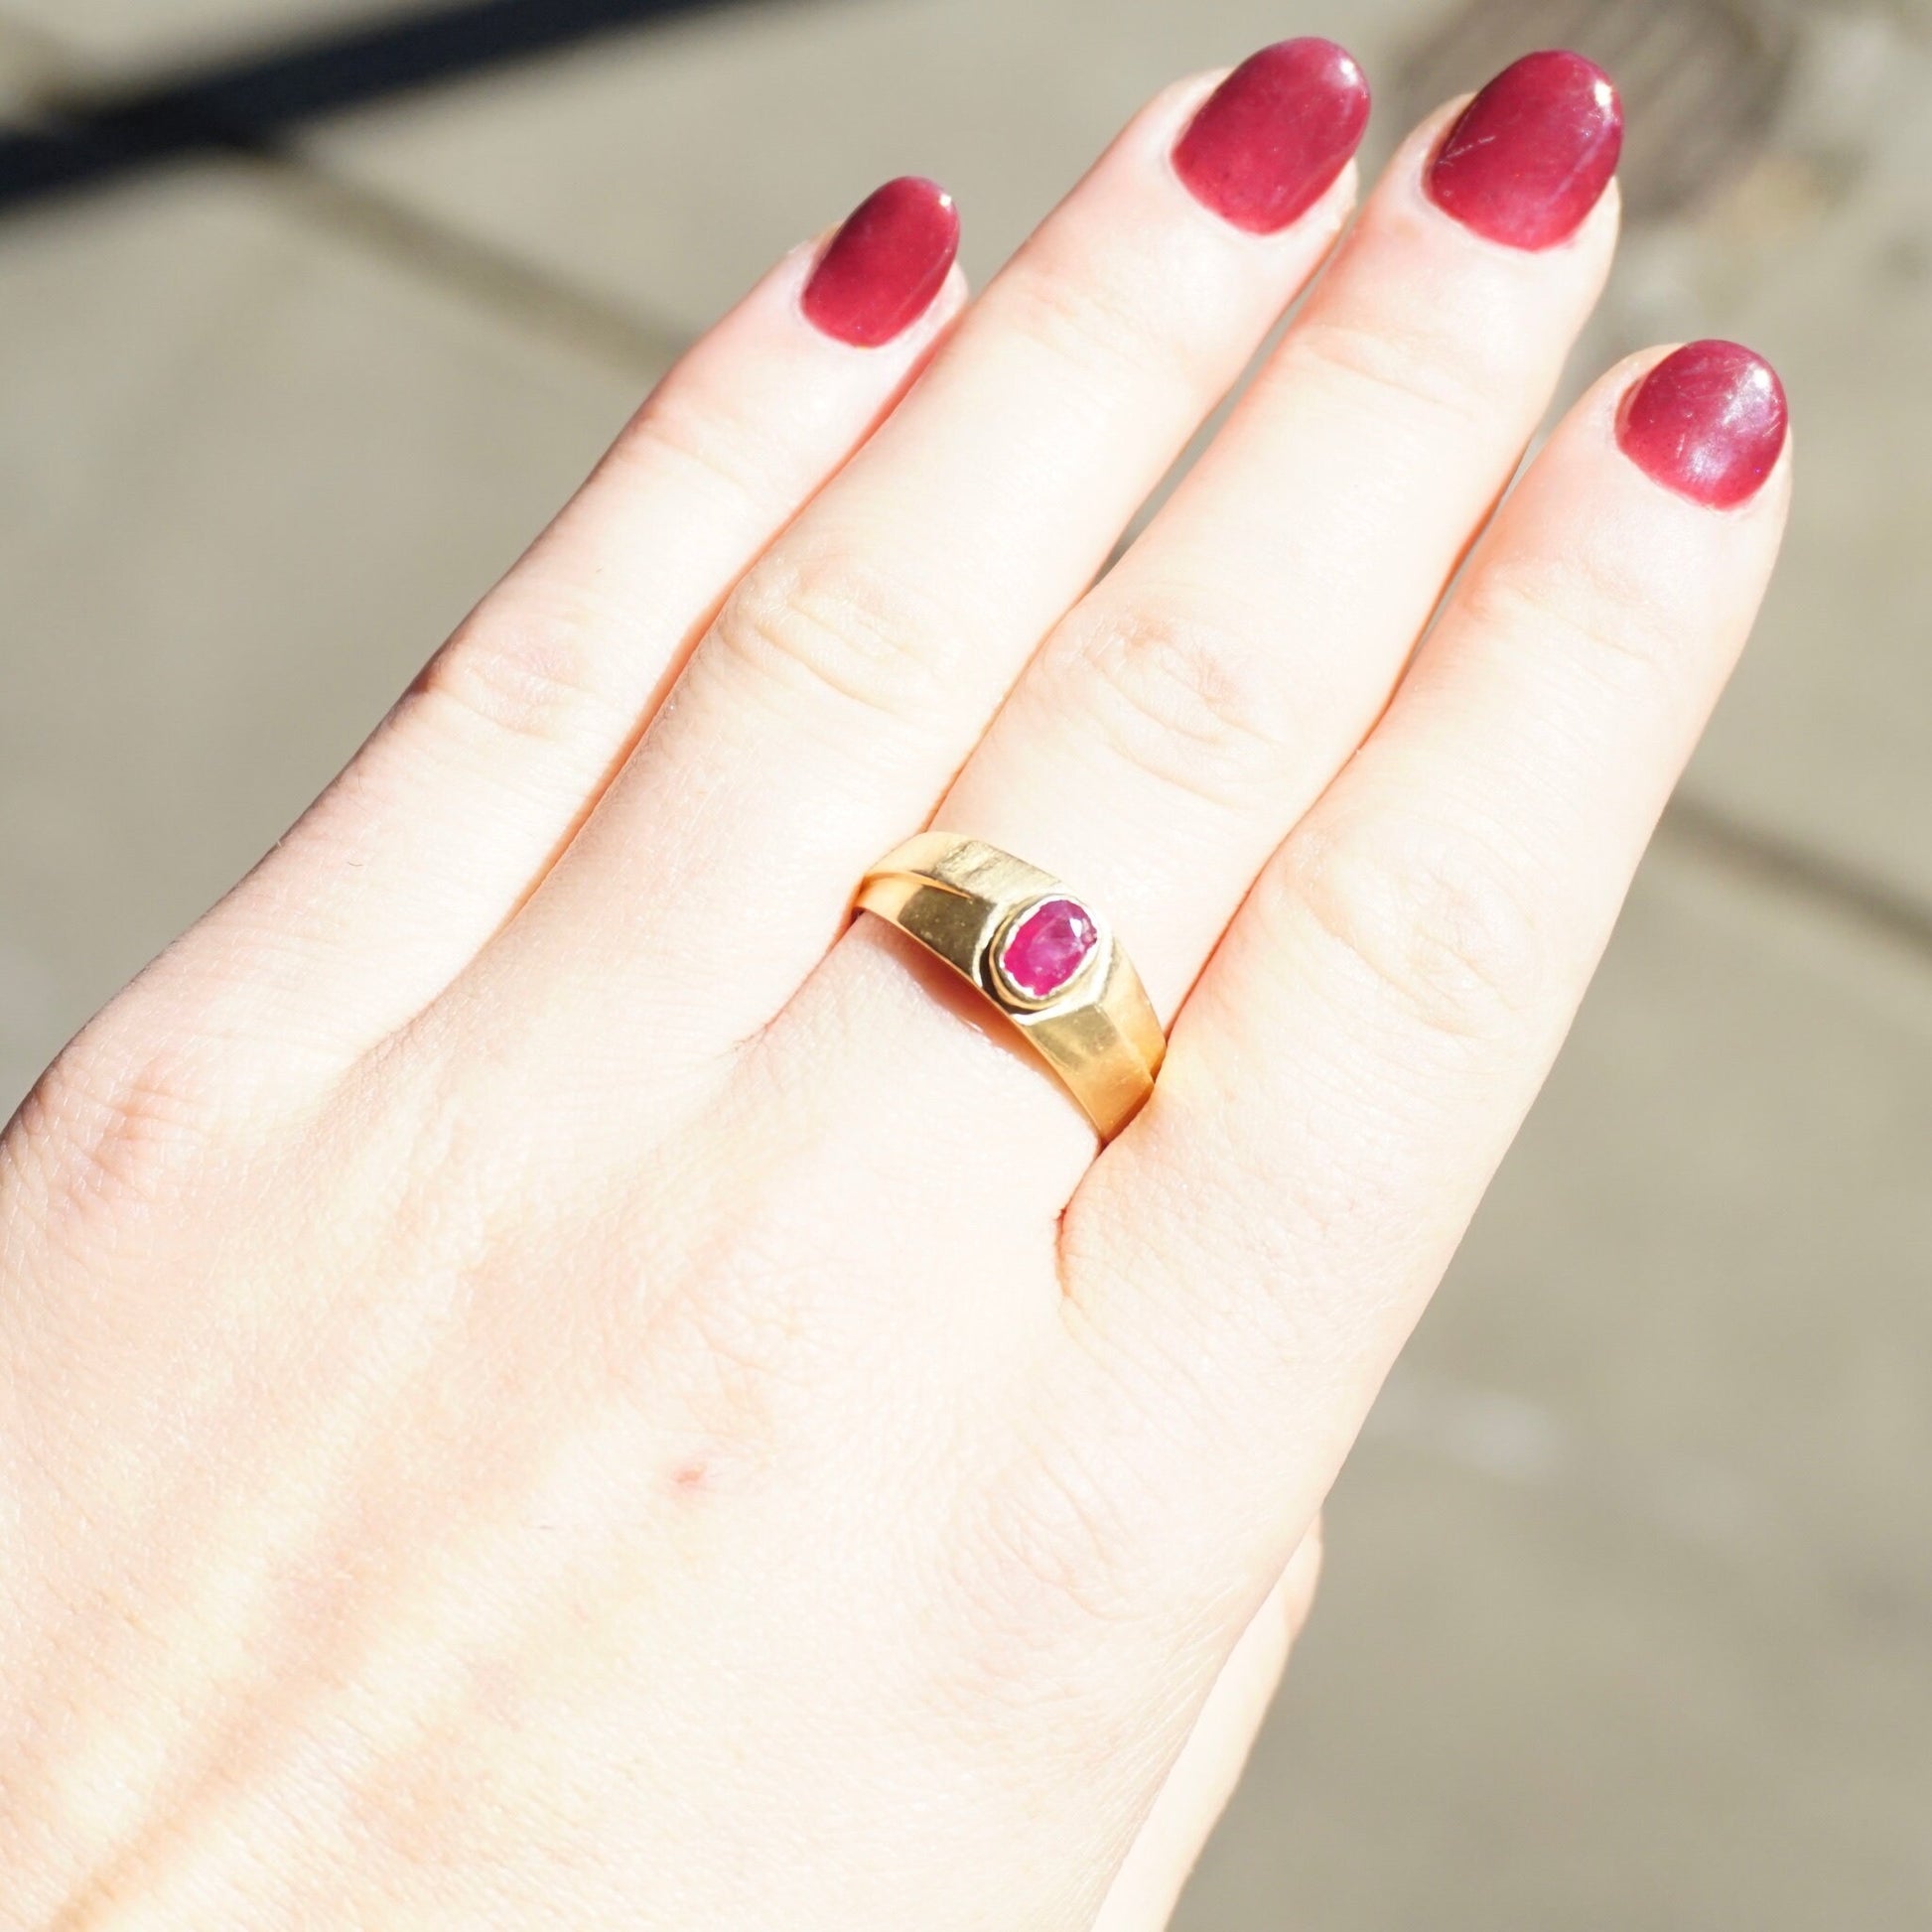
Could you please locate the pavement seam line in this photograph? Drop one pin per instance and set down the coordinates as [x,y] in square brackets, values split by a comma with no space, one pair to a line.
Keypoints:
[638,346]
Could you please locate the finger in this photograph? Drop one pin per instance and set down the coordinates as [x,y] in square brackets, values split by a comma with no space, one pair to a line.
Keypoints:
[1197,701]
[1363,1048]
[855,667]
[1169,1843]
[460,800]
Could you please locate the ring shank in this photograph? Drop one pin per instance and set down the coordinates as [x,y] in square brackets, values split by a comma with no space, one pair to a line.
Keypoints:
[954,896]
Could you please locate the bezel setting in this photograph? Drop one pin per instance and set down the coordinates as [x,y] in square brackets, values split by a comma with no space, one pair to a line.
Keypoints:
[1007,990]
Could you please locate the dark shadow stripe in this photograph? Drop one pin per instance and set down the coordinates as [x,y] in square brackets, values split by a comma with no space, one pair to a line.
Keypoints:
[1863,900]
[243,107]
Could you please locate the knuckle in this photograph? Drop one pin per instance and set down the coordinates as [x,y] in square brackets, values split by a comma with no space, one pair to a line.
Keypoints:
[536,676]
[704,430]
[1433,917]
[1084,321]
[1583,605]
[1182,693]
[831,624]
[1384,368]
[110,1127]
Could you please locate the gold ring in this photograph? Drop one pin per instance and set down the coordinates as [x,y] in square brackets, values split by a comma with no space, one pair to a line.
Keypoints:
[1039,953]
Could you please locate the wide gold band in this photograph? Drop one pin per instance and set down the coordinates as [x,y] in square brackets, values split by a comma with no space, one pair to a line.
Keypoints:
[966,902]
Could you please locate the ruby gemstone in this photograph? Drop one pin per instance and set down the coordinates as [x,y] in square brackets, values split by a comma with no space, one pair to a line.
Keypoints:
[1049,947]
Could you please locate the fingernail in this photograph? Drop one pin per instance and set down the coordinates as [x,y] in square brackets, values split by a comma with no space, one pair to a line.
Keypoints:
[1532,154]
[878,274]
[1270,140]
[1707,422]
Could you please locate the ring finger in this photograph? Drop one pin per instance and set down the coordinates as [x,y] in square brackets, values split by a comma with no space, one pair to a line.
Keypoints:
[1190,709]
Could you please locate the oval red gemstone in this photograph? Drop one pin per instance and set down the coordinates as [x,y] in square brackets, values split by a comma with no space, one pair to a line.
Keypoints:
[1048,947]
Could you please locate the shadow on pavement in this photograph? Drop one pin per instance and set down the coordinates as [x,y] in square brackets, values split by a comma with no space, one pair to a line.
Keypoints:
[240,106]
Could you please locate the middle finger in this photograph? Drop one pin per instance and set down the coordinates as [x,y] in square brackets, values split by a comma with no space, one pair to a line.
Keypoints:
[860,660]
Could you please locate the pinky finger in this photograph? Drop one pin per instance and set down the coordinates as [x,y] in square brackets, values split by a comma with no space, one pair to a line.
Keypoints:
[453,811]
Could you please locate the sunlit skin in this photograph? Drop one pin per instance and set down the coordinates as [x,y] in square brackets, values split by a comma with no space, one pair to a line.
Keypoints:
[554,1378]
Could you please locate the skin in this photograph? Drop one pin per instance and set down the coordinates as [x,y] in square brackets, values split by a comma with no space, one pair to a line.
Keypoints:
[551,1379]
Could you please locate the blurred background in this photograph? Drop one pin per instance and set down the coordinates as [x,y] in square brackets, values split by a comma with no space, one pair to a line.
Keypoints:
[311,312]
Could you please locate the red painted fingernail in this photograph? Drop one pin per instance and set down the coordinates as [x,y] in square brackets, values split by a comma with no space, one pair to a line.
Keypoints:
[1707,422]
[878,274]
[1270,140]
[1532,154]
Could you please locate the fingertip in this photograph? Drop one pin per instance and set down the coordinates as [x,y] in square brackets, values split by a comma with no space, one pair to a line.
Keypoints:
[1589,228]
[885,265]
[1530,156]
[1269,142]
[1707,420]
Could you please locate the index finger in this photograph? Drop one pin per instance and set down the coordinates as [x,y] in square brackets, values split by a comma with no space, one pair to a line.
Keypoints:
[1359,1056]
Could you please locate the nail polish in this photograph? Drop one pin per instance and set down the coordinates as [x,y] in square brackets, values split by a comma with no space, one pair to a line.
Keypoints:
[880,273]
[1270,140]
[1707,422]
[1531,154]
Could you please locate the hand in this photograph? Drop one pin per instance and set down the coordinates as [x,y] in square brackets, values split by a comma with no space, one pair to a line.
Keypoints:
[551,1378]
